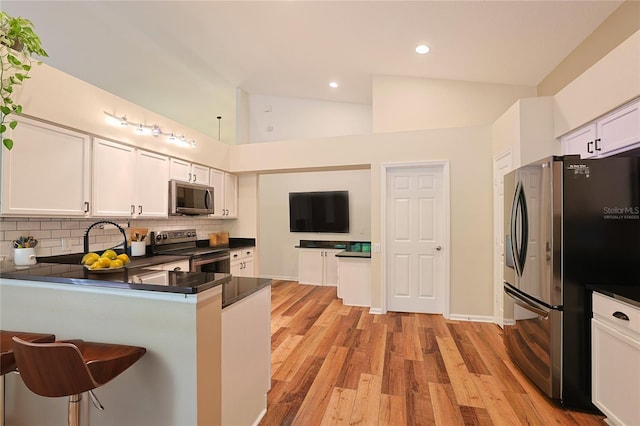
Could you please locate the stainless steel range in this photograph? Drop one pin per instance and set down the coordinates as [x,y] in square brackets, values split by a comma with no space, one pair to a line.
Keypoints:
[185,243]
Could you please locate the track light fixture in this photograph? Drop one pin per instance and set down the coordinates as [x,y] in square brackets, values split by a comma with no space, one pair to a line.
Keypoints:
[154,130]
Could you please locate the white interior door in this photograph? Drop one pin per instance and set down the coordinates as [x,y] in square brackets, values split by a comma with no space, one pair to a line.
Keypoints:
[501,166]
[415,236]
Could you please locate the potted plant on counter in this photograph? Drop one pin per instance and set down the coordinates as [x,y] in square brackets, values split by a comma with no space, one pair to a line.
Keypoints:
[18,44]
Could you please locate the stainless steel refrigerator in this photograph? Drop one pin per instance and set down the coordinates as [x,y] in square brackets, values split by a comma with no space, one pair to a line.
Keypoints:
[569,223]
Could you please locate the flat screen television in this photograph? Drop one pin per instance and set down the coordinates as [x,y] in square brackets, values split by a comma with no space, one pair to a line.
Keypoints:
[319,211]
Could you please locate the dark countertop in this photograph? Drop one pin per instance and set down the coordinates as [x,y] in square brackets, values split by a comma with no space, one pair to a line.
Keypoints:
[131,277]
[236,243]
[355,254]
[240,287]
[625,293]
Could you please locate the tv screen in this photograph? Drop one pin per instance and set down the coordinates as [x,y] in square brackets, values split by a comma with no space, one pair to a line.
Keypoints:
[320,211]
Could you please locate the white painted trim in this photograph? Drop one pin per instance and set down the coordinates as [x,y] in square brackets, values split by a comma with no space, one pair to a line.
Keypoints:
[446,187]
[506,153]
[377,311]
[472,318]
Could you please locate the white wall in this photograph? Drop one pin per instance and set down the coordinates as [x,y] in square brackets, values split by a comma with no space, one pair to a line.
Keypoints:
[54,96]
[612,81]
[278,257]
[469,153]
[411,103]
[275,118]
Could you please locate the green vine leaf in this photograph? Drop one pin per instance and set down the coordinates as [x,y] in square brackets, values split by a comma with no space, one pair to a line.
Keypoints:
[13,124]
[8,143]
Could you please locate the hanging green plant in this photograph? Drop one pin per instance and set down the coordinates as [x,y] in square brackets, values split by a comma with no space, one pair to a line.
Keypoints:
[18,43]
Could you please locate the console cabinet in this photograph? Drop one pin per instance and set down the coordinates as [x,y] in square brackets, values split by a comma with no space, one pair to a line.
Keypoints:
[354,281]
[48,171]
[318,266]
[615,364]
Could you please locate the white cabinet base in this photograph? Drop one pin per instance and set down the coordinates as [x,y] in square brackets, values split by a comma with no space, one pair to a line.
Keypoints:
[354,281]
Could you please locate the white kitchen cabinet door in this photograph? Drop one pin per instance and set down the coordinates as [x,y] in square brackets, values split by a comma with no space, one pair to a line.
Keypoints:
[180,170]
[318,266]
[225,194]
[113,189]
[619,130]
[580,142]
[231,195]
[216,181]
[152,185]
[242,261]
[48,171]
[187,172]
[199,174]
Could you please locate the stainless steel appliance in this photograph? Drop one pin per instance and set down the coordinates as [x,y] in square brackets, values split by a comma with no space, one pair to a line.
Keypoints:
[568,223]
[185,243]
[190,199]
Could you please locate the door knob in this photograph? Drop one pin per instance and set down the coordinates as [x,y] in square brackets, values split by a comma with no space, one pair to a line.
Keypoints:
[438,248]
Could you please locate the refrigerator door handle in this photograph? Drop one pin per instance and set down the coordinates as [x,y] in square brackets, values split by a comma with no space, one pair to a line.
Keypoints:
[526,304]
[520,240]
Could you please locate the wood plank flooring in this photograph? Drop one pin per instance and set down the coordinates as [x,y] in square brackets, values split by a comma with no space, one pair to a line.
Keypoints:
[339,365]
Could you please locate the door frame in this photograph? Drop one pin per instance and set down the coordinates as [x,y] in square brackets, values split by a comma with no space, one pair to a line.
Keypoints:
[497,272]
[446,243]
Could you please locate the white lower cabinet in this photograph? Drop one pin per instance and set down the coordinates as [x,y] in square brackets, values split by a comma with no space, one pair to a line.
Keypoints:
[318,266]
[246,358]
[242,262]
[48,171]
[181,265]
[615,368]
[354,281]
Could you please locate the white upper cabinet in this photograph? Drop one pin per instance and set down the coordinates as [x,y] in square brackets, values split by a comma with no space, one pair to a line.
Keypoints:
[615,132]
[152,185]
[47,172]
[113,179]
[128,182]
[225,194]
[188,172]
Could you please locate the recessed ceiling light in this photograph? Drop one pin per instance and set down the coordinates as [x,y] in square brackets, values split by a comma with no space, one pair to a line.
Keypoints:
[422,49]
[333,84]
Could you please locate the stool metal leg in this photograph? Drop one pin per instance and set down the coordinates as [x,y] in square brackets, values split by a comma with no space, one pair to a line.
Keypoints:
[74,410]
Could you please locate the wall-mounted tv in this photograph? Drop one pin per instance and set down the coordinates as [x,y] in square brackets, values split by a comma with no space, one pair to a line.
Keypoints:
[319,211]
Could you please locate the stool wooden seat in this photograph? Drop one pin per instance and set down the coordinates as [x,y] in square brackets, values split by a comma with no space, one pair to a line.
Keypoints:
[69,368]
[7,359]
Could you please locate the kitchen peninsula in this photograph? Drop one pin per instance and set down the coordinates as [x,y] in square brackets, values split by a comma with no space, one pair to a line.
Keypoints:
[176,316]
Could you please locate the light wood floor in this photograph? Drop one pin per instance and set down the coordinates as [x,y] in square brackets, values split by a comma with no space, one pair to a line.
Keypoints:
[334,364]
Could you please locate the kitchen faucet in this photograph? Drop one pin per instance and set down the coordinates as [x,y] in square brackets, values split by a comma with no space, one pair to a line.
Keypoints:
[124,235]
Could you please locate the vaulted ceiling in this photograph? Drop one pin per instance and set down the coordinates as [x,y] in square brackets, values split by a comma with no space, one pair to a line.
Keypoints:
[185,59]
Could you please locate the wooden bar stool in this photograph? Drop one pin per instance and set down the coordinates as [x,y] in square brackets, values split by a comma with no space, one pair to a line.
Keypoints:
[7,360]
[69,368]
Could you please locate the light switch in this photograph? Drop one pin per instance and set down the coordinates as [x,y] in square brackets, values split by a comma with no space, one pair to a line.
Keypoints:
[376,247]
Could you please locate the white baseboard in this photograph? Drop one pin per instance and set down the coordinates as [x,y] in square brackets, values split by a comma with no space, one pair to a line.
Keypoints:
[474,318]
[376,311]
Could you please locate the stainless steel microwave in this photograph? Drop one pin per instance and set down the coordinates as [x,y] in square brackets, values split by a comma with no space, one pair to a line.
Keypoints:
[189,199]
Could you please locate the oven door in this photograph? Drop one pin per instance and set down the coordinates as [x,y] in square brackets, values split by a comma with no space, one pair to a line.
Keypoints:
[218,262]
[532,335]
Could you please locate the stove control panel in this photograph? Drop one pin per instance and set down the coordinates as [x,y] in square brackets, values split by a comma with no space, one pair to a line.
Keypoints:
[172,237]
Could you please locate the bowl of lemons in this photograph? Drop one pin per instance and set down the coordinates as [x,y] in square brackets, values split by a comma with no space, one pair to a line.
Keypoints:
[108,261]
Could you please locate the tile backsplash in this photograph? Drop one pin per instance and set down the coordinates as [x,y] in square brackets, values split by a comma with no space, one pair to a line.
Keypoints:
[62,236]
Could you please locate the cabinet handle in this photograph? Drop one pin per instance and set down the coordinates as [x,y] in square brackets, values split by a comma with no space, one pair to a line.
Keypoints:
[86,207]
[248,252]
[140,209]
[598,148]
[133,209]
[621,315]
[177,268]
[195,178]
[589,150]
